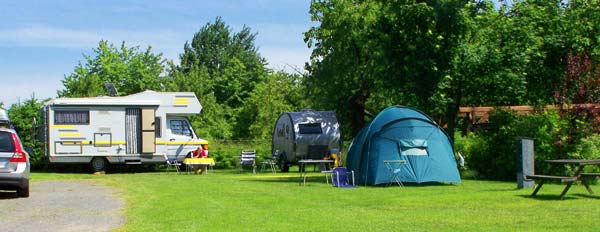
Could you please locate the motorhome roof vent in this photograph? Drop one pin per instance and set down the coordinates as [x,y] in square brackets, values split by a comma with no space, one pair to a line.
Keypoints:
[110,88]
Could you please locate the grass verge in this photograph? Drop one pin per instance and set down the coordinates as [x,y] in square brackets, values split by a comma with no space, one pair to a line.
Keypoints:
[228,201]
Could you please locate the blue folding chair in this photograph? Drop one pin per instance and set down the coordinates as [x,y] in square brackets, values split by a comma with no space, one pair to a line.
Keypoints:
[341,178]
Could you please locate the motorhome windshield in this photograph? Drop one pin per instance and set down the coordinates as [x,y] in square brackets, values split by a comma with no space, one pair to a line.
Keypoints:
[180,127]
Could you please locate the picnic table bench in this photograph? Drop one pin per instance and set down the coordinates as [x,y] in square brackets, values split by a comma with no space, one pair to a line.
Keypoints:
[585,177]
[578,175]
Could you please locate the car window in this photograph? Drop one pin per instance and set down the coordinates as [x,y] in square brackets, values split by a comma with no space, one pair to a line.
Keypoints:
[6,143]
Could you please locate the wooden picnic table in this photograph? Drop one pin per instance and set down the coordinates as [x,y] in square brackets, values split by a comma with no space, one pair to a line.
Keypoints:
[578,175]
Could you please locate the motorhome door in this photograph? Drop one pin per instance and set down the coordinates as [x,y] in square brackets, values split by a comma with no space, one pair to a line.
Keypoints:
[140,130]
[181,137]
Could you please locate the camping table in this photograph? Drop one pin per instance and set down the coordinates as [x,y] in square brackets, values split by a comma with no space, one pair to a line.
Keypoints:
[310,161]
[191,162]
[394,171]
[578,164]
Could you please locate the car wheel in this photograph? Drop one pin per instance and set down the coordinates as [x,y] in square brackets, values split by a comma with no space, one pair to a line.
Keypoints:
[24,191]
[98,164]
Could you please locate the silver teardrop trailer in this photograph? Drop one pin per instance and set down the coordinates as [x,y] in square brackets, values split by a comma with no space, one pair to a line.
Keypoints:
[134,129]
[307,134]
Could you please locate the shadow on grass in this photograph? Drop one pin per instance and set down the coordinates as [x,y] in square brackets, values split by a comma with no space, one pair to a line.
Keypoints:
[587,196]
[295,178]
[275,179]
[547,197]
[112,169]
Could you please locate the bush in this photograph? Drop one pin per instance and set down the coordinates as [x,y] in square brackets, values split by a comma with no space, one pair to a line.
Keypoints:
[492,152]
[588,148]
[21,116]
[226,152]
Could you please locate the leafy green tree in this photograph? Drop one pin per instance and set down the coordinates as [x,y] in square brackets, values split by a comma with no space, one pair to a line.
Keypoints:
[281,92]
[582,26]
[222,67]
[130,70]
[370,54]
[231,60]
[211,123]
[22,116]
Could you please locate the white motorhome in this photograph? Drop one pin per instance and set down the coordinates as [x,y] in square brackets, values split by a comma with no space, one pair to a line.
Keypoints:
[133,129]
[4,122]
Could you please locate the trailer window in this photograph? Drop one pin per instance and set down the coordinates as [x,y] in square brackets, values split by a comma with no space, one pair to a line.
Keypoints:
[310,128]
[72,117]
[157,127]
[180,127]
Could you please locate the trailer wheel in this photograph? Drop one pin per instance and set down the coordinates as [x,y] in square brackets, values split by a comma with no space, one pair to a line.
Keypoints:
[98,164]
[283,165]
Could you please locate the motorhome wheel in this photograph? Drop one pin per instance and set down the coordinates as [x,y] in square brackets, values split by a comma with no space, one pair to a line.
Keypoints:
[98,164]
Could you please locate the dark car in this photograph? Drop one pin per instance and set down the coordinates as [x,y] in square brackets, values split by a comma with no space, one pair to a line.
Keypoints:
[14,163]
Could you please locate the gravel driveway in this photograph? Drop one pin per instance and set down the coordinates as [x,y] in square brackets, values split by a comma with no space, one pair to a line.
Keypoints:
[62,206]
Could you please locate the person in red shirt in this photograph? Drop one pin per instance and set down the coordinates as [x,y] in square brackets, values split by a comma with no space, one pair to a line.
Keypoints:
[199,153]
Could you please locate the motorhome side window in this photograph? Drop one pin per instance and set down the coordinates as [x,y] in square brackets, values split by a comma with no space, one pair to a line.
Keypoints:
[157,131]
[310,128]
[72,117]
[180,127]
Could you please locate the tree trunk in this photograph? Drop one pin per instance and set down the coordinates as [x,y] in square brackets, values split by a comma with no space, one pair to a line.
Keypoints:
[358,111]
[452,112]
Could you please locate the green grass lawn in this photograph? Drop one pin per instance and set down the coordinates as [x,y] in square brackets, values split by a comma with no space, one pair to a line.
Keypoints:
[229,201]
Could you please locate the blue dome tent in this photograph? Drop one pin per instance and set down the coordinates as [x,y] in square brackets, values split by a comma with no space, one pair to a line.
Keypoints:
[402,133]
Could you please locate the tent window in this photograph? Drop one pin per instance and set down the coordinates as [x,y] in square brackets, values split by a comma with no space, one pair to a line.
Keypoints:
[310,128]
[79,117]
[414,147]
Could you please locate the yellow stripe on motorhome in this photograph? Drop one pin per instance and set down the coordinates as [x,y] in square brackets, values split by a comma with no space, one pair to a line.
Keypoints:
[108,142]
[181,101]
[181,143]
[62,126]
[69,134]
[71,143]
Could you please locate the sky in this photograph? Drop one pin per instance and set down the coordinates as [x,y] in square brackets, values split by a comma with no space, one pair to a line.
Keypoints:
[42,41]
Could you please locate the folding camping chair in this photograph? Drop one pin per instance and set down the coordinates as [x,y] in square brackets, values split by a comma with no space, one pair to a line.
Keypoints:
[172,162]
[270,162]
[248,157]
[340,178]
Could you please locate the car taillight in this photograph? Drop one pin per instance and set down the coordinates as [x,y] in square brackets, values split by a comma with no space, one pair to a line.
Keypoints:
[20,156]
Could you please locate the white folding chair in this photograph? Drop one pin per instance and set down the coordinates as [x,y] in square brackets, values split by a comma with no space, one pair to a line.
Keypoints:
[172,162]
[248,157]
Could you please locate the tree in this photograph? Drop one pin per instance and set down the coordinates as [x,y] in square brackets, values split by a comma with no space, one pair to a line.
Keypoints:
[211,123]
[130,70]
[224,67]
[22,116]
[281,92]
[231,60]
[370,54]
